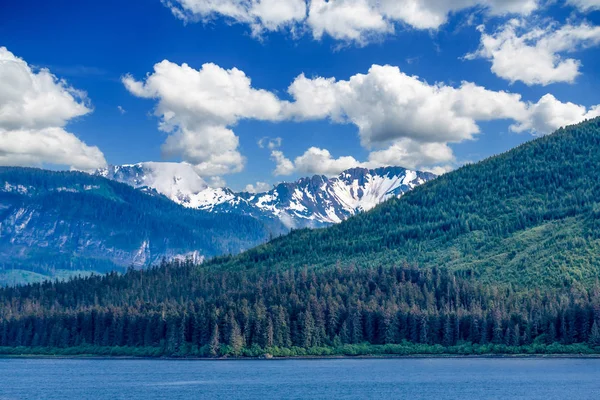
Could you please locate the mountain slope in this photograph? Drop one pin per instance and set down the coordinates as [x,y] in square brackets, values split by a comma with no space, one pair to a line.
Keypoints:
[525,223]
[53,223]
[529,216]
[309,202]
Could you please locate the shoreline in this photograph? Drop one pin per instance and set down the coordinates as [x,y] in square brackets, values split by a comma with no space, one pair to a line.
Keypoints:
[361,357]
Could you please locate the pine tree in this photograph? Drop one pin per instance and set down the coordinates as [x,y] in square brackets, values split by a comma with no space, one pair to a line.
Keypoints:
[516,336]
[423,337]
[235,338]
[357,326]
[214,345]
[270,334]
[594,339]
[448,332]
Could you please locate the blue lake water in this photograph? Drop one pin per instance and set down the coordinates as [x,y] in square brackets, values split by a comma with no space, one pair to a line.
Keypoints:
[502,379]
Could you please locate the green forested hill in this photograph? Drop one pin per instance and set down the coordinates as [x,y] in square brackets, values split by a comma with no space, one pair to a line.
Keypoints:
[55,224]
[529,216]
[496,257]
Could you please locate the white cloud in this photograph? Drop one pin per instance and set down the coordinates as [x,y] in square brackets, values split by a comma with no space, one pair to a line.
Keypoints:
[35,100]
[408,122]
[32,147]
[348,20]
[387,105]
[283,165]
[197,108]
[270,143]
[434,157]
[217,182]
[319,161]
[549,114]
[314,161]
[535,55]
[345,20]
[403,120]
[121,110]
[259,187]
[261,15]
[34,108]
[585,5]
[431,14]
[213,150]
[274,14]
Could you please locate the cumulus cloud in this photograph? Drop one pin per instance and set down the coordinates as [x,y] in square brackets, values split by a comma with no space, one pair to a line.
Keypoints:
[31,147]
[409,122]
[548,114]
[346,20]
[197,108]
[426,14]
[34,108]
[319,161]
[314,161]
[434,157]
[259,187]
[387,105]
[283,165]
[401,119]
[260,15]
[585,5]
[121,110]
[216,182]
[536,55]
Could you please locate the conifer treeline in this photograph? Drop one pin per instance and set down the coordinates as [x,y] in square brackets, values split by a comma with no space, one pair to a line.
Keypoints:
[184,309]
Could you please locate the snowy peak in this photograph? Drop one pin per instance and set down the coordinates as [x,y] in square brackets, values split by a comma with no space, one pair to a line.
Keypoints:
[178,181]
[331,200]
[167,178]
[309,202]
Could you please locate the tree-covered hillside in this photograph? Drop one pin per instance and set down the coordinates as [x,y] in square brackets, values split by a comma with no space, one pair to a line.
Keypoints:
[529,216]
[496,257]
[58,223]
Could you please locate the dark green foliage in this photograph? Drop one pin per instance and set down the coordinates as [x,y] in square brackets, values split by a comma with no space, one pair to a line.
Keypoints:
[530,216]
[74,221]
[181,309]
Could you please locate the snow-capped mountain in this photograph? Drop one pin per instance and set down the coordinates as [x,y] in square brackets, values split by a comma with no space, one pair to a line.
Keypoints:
[308,202]
[177,181]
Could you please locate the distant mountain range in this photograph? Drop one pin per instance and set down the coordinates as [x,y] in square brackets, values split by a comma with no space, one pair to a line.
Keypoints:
[309,202]
[56,224]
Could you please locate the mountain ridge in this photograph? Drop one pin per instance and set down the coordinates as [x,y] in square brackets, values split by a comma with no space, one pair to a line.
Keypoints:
[75,222]
[315,201]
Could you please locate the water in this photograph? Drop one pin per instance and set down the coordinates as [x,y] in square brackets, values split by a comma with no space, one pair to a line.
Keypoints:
[439,379]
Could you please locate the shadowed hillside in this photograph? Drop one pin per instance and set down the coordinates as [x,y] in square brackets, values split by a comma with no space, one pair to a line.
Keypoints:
[56,224]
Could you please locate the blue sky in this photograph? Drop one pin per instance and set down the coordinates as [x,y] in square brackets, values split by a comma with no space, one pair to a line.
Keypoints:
[411,109]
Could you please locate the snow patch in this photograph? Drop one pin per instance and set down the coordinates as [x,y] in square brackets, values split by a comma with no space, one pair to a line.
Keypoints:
[298,204]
